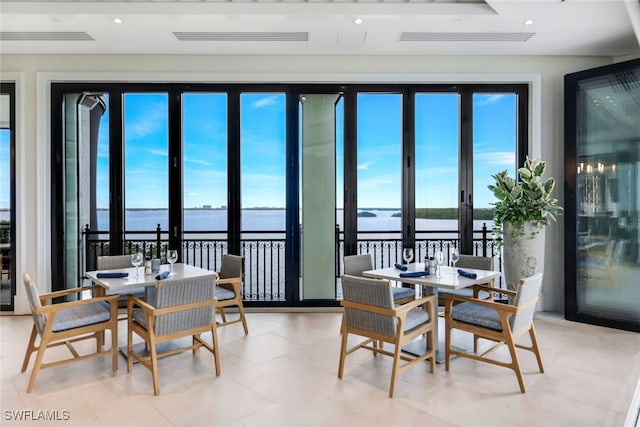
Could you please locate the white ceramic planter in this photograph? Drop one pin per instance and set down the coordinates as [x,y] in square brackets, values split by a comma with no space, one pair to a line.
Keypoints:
[523,254]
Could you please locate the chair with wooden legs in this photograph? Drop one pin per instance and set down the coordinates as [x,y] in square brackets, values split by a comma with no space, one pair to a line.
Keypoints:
[474,262]
[175,308]
[355,265]
[67,322]
[370,312]
[114,262]
[498,322]
[228,291]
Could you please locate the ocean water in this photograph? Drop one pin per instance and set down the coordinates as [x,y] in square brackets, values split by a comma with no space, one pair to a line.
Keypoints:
[270,220]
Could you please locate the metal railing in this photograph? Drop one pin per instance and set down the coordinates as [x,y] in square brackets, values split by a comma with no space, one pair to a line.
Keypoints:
[264,252]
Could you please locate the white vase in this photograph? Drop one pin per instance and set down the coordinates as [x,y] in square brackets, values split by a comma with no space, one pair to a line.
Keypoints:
[523,253]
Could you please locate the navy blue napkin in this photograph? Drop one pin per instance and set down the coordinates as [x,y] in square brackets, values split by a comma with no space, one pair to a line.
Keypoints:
[163,275]
[401,267]
[111,275]
[414,274]
[468,274]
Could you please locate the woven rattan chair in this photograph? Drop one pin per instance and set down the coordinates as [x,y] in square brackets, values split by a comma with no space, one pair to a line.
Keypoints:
[498,322]
[474,262]
[114,262]
[67,322]
[228,291]
[174,309]
[355,265]
[370,312]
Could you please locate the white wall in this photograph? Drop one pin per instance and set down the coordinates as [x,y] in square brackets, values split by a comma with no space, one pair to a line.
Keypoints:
[34,73]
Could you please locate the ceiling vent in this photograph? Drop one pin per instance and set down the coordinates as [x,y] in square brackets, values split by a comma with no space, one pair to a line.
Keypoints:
[465,37]
[45,36]
[242,36]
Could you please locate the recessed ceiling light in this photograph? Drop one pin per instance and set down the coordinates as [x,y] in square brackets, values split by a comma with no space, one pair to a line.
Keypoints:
[357,21]
[528,22]
[117,21]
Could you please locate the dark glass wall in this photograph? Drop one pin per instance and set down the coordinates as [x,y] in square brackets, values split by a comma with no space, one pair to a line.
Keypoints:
[602,153]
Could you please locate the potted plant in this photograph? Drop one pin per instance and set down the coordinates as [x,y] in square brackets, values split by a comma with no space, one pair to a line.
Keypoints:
[523,209]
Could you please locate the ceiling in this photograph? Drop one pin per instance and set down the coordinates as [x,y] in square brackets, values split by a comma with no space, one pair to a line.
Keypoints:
[322,27]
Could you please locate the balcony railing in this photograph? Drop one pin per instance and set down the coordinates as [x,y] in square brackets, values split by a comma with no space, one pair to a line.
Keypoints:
[264,252]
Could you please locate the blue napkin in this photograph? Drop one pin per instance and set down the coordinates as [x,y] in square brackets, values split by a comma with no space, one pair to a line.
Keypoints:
[401,267]
[163,275]
[468,274]
[111,275]
[414,274]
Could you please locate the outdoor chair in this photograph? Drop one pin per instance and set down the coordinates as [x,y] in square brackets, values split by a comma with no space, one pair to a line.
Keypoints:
[473,262]
[174,309]
[114,262]
[228,291]
[498,322]
[355,265]
[67,322]
[369,312]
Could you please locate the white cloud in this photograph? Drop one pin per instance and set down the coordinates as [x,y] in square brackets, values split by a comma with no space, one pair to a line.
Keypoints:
[196,161]
[497,158]
[365,165]
[157,152]
[154,118]
[480,100]
[265,102]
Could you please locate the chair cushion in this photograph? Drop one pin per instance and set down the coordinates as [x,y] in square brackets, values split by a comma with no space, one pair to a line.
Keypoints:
[224,294]
[464,292]
[415,318]
[82,315]
[476,314]
[400,293]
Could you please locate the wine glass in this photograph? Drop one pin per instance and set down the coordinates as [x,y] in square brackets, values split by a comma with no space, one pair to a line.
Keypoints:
[172,256]
[439,261]
[455,256]
[136,261]
[407,255]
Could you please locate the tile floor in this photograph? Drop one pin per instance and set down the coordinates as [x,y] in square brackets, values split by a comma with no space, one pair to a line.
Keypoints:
[284,373]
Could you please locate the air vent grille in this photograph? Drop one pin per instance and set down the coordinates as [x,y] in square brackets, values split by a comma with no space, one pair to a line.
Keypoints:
[243,36]
[465,37]
[45,36]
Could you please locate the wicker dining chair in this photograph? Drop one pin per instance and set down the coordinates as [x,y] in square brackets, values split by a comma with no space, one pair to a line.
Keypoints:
[473,262]
[355,265]
[228,290]
[501,323]
[175,308]
[370,312]
[67,322]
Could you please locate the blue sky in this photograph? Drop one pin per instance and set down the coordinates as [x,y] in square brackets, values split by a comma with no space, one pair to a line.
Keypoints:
[263,156]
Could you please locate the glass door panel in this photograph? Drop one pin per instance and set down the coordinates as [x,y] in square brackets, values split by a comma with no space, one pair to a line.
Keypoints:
[608,197]
[146,177]
[379,156]
[7,196]
[263,194]
[204,169]
[495,127]
[437,141]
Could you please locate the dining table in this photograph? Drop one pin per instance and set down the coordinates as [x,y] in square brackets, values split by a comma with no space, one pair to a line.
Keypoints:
[120,279]
[449,278]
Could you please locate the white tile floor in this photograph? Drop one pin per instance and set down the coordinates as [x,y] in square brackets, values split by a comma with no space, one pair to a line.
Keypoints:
[284,373]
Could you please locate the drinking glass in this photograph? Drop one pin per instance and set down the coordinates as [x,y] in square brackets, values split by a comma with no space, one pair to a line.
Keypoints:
[172,256]
[136,261]
[439,261]
[455,256]
[407,255]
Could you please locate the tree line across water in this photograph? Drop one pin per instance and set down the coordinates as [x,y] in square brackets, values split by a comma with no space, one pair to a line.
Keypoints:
[449,213]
